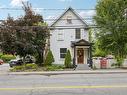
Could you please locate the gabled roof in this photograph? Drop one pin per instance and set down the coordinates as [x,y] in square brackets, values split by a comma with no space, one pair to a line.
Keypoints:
[81,42]
[72,10]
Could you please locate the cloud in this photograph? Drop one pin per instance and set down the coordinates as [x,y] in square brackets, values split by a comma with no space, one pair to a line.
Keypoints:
[50,19]
[89,13]
[38,10]
[15,3]
[65,0]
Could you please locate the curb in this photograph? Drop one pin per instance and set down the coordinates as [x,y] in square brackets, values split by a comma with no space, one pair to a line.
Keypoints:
[66,72]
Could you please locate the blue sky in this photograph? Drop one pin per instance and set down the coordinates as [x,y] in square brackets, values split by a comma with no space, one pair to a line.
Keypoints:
[48,4]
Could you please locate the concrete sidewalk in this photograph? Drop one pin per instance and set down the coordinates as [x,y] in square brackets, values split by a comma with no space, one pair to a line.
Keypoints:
[48,73]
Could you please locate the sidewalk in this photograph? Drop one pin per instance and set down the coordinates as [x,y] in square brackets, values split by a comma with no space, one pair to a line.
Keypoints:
[48,73]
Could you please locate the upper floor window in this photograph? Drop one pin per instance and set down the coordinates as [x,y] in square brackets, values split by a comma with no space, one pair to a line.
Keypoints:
[60,36]
[78,33]
[69,20]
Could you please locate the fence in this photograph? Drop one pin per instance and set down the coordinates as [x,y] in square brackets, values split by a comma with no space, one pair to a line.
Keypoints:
[106,63]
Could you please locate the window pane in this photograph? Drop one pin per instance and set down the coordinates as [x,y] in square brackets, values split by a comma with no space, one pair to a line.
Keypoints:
[69,19]
[62,55]
[63,50]
[77,33]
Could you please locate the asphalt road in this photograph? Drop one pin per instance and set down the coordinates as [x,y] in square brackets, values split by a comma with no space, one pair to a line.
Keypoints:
[80,84]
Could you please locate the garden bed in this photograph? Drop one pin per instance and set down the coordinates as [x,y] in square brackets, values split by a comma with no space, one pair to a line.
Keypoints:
[35,68]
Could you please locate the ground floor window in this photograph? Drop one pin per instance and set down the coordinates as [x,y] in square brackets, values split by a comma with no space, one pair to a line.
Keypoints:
[63,52]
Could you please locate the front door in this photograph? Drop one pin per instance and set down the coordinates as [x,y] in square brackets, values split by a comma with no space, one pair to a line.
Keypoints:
[80,56]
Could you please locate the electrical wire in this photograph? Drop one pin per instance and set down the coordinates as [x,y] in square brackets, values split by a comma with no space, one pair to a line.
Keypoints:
[42,9]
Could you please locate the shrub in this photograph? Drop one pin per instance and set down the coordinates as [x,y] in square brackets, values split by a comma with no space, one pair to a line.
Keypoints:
[25,67]
[1,55]
[49,59]
[54,68]
[99,53]
[31,66]
[18,68]
[67,62]
[7,57]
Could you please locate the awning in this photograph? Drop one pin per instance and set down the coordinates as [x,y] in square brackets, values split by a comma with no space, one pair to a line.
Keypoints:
[81,42]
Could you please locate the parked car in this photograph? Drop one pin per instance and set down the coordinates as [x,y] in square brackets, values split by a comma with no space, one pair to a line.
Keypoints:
[16,62]
[1,61]
[29,59]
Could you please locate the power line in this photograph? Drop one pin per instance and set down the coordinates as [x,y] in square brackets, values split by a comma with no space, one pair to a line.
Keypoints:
[55,27]
[41,9]
[61,19]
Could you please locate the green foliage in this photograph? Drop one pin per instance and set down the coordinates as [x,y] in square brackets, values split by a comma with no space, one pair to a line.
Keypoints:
[34,67]
[98,52]
[54,68]
[49,59]
[118,63]
[113,32]
[24,39]
[31,66]
[26,67]
[67,61]
[7,57]
[18,69]
[1,55]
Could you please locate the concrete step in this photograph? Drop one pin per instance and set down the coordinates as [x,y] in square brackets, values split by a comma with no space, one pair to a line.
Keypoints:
[82,67]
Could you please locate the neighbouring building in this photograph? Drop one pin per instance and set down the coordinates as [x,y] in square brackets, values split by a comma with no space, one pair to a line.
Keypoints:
[70,32]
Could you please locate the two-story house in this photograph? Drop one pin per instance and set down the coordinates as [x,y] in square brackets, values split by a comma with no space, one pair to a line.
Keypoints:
[70,32]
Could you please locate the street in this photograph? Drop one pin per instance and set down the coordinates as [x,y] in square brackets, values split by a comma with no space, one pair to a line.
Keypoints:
[71,84]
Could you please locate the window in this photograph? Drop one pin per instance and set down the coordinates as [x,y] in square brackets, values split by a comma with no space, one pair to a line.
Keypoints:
[77,33]
[63,52]
[60,35]
[69,20]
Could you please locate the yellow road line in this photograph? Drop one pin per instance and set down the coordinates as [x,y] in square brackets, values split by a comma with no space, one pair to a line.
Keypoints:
[66,87]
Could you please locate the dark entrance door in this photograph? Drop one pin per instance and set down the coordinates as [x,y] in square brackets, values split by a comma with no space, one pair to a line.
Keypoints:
[80,56]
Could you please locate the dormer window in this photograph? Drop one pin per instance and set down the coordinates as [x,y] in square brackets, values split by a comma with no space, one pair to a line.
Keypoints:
[69,20]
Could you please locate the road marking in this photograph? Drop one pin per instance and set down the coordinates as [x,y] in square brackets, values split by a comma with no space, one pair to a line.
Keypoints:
[66,87]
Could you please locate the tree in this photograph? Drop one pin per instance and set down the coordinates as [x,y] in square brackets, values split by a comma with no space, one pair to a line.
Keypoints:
[49,59]
[113,27]
[67,62]
[97,51]
[7,35]
[27,34]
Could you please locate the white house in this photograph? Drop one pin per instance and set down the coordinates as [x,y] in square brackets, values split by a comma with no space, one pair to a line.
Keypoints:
[70,32]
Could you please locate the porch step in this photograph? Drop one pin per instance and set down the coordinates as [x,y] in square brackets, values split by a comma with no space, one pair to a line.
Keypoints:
[82,67]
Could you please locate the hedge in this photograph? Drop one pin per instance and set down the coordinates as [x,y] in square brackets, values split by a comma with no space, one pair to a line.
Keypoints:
[7,58]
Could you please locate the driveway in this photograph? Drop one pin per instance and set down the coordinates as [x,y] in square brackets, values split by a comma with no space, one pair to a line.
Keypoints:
[4,68]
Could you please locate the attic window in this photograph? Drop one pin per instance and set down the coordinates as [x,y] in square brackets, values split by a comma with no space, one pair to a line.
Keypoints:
[69,20]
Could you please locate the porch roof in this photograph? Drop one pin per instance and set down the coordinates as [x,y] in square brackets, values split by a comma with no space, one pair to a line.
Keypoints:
[81,42]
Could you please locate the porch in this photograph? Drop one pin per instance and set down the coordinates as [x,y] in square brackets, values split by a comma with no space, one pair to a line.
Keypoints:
[81,53]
